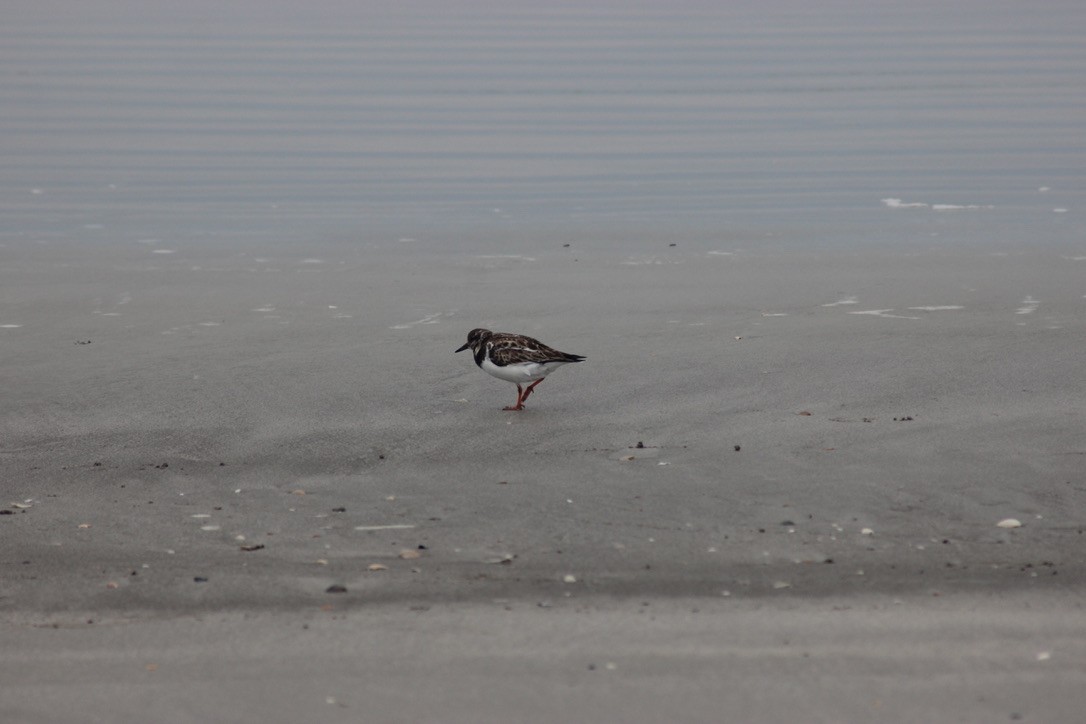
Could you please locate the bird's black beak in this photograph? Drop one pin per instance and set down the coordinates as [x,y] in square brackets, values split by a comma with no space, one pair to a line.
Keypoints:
[466,345]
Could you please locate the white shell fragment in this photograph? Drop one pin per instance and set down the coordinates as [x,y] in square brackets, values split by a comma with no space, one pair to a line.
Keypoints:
[1009,523]
[867,531]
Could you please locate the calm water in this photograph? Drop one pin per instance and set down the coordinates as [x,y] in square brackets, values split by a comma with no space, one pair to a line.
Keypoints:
[375,119]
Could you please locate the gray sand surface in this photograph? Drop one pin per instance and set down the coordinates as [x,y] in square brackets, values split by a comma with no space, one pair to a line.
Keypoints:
[827,264]
[164,411]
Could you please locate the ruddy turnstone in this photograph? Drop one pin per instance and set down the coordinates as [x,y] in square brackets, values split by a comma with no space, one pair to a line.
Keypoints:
[515,358]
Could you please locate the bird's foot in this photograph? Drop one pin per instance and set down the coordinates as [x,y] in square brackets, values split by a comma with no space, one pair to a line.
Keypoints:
[518,408]
[528,390]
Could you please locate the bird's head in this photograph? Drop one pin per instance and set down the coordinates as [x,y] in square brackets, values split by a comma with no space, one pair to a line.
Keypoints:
[476,338]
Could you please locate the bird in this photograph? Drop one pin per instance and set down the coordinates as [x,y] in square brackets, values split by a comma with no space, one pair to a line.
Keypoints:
[515,358]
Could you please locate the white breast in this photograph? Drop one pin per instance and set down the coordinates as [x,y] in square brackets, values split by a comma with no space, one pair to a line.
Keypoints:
[520,373]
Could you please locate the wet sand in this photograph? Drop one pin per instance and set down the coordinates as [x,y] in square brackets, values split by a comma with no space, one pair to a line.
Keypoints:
[772,490]
[827,267]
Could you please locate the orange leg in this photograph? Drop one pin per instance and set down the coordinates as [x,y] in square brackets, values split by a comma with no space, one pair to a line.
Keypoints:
[520,401]
[528,391]
[522,396]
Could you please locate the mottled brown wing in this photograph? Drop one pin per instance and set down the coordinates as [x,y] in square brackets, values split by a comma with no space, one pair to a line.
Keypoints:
[514,349]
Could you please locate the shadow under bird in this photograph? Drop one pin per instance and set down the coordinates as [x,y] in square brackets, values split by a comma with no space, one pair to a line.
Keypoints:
[515,358]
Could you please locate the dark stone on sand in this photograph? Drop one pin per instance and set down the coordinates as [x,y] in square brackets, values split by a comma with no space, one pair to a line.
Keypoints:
[336,588]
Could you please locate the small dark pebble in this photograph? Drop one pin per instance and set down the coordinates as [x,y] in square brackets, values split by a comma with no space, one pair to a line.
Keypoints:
[672,244]
[163,466]
[737,448]
[380,457]
[640,445]
[221,465]
[422,547]
[828,560]
[7,512]
[200,579]
[336,588]
[787,522]
[98,465]
[565,246]
[591,667]
[761,530]
[339,510]
[256,547]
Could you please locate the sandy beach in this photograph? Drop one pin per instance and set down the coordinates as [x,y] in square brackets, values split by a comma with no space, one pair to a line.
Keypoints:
[769,466]
[824,461]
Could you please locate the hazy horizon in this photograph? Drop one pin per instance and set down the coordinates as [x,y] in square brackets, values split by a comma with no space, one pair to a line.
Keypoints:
[125,120]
